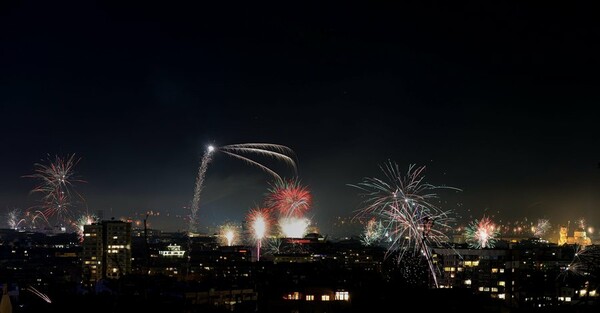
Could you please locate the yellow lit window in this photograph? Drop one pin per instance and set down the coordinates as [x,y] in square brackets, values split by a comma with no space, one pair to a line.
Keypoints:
[342,295]
[325,298]
[310,297]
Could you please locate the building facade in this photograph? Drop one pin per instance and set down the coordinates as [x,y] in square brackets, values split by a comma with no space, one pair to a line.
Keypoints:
[106,250]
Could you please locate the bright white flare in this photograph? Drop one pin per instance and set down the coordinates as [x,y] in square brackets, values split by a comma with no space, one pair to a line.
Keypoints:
[260,227]
[293,227]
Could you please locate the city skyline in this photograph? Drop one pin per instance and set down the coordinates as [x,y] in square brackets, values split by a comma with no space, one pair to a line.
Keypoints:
[497,101]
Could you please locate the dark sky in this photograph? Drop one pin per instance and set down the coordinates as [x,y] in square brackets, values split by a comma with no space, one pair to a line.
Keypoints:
[499,100]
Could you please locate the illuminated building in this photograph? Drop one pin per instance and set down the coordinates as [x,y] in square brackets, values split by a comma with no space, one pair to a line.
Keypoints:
[579,237]
[106,250]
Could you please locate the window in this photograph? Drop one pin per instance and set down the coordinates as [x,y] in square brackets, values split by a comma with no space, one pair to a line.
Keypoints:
[342,295]
[325,298]
[310,297]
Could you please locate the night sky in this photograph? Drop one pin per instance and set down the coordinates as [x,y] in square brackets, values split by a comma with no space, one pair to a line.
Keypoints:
[497,100]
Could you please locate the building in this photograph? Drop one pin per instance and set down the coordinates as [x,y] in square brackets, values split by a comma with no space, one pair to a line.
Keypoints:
[106,250]
[579,237]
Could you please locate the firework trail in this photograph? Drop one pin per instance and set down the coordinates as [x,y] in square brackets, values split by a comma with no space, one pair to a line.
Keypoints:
[278,152]
[482,233]
[13,219]
[55,183]
[39,294]
[198,189]
[586,260]
[34,217]
[541,228]
[404,205]
[259,221]
[289,198]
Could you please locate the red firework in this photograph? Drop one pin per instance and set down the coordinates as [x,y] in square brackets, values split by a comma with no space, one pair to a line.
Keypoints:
[289,198]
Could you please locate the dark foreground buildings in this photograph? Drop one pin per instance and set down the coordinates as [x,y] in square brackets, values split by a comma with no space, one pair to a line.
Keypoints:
[171,272]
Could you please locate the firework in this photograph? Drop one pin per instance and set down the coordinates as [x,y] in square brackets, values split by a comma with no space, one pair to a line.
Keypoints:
[41,295]
[35,217]
[193,222]
[229,234]
[259,221]
[541,228]
[293,227]
[55,184]
[13,219]
[238,151]
[374,231]
[84,219]
[289,198]
[404,205]
[586,260]
[482,233]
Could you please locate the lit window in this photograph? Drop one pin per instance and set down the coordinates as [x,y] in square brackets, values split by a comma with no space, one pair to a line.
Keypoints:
[342,295]
[494,270]
[310,297]
[468,282]
[501,283]
[501,296]
[494,289]
[501,270]
[325,298]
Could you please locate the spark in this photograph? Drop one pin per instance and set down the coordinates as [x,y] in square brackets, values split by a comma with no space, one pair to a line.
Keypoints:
[404,204]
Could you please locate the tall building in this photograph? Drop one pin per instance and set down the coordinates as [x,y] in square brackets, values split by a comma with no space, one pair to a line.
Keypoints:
[106,250]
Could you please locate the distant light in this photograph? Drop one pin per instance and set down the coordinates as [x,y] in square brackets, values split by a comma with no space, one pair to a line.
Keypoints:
[211,148]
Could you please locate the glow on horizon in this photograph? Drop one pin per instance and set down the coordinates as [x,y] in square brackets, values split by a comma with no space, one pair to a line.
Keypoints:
[294,227]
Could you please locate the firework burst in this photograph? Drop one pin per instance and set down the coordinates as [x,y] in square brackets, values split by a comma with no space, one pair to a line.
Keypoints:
[482,233]
[541,228]
[374,232]
[55,183]
[14,219]
[229,234]
[259,222]
[289,198]
[404,204]
[240,152]
[586,260]
[81,221]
